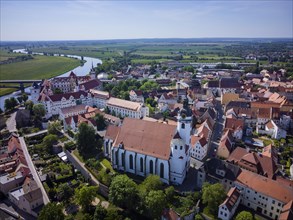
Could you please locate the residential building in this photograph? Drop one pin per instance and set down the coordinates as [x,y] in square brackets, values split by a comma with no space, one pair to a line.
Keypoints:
[229,206]
[126,108]
[136,96]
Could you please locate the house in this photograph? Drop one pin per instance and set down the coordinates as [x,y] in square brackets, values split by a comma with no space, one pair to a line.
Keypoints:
[199,147]
[228,97]
[229,206]
[287,211]
[237,127]
[273,130]
[262,194]
[136,96]
[226,144]
[27,197]
[229,85]
[144,147]
[126,108]
[255,162]
[215,170]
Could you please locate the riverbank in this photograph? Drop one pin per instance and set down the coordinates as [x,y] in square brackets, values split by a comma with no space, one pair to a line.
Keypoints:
[41,67]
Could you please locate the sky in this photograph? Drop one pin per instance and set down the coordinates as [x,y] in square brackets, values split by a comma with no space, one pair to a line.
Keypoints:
[22,20]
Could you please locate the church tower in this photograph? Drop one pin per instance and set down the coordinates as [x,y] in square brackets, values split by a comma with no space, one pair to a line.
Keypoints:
[93,72]
[184,122]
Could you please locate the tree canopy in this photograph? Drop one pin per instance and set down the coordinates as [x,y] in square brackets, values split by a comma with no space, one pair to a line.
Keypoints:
[49,141]
[123,192]
[86,139]
[54,127]
[213,195]
[100,120]
[100,213]
[155,201]
[10,104]
[39,110]
[244,215]
[51,211]
[85,196]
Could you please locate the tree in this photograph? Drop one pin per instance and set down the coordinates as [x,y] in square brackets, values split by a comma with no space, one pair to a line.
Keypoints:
[213,195]
[54,127]
[51,211]
[65,192]
[152,182]
[100,213]
[189,69]
[155,202]
[9,104]
[39,110]
[100,120]
[86,140]
[29,105]
[19,99]
[113,214]
[170,193]
[24,97]
[85,196]
[49,141]
[244,215]
[123,192]
[198,217]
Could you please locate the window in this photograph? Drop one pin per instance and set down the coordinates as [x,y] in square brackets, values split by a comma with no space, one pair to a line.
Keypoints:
[273,201]
[225,214]
[141,164]
[272,208]
[123,159]
[180,147]
[162,170]
[151,167]
[279,204]
[248,204]
[221,213]
[271,214]
[175,147]
[278,210]
[130,161]
[182,125]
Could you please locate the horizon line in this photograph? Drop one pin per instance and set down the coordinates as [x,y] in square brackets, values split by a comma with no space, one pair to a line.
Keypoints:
[154,38]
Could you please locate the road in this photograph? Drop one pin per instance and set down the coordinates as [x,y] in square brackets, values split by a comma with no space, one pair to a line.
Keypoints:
[33,170]
[11,123]
[217,131]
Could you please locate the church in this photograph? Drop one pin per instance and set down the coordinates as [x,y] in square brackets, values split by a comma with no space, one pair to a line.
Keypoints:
[143,147]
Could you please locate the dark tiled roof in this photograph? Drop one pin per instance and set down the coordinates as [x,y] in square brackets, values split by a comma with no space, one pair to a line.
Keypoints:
[229,83]
[76,95]
[231,170]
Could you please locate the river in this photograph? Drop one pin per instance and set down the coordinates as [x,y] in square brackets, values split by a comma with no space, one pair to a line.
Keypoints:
[79,71]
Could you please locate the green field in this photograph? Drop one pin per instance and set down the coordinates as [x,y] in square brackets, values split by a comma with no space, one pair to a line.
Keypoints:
[41,67]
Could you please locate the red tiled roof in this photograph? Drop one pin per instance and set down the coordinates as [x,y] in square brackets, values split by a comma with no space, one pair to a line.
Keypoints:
[266,186]
[145,137]
[91,84]
[233,123]
[232,197]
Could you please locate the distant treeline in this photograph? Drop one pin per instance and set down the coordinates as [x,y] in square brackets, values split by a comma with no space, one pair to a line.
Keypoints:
[17,59]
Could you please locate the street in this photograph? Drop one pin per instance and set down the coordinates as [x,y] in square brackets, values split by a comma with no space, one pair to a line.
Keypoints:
[33,170]
[217,131]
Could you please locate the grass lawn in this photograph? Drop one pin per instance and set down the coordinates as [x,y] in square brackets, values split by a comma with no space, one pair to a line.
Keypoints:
[5,55]
[107,164]
[40,67]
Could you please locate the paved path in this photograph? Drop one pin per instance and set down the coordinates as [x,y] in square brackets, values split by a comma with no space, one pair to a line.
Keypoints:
[11,123]
[36,134]
[33,170]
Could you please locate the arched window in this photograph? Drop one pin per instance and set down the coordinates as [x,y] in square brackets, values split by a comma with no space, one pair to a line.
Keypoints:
[131,161]
[116,157]
[151,167]
[182,125]
[123,159]
[162,170]
[141,164]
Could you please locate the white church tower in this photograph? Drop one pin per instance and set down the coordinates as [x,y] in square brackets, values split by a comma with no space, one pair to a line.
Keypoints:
[180,146]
